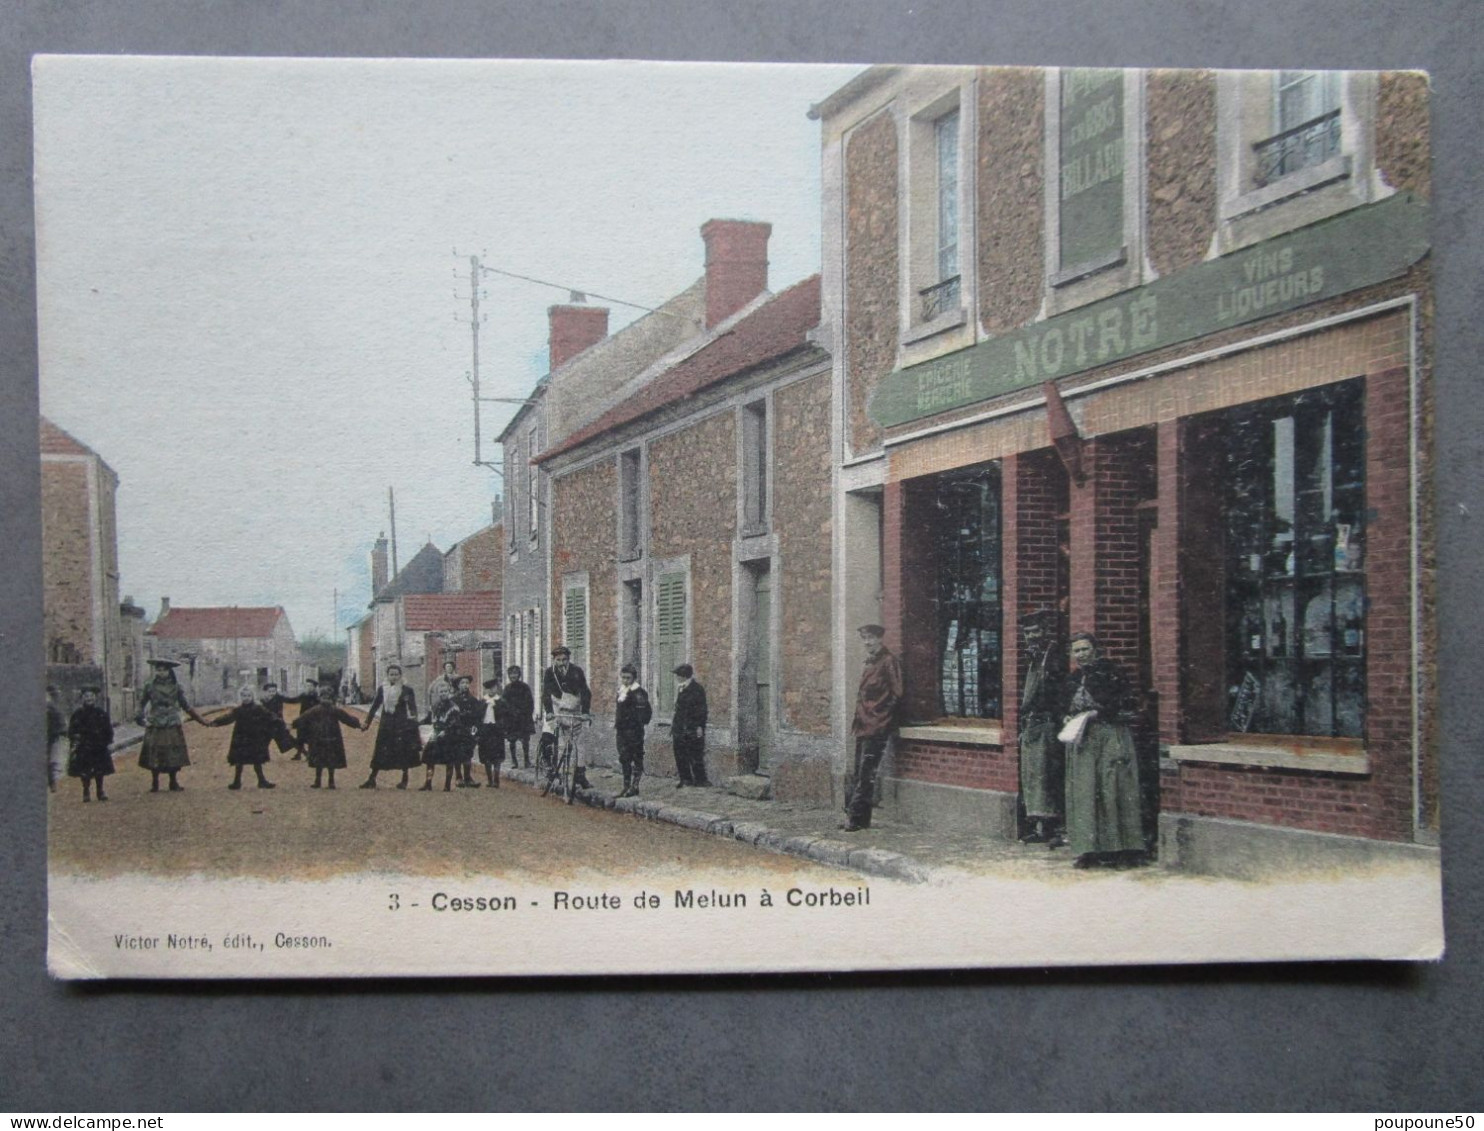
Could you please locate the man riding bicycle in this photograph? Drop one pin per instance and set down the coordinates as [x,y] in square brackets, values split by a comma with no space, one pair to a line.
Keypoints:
[567,701]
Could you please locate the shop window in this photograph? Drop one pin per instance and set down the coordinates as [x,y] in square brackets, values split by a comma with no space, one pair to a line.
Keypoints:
[670,608]
[1295,580]
[755,468]
[630,545]
[967,553]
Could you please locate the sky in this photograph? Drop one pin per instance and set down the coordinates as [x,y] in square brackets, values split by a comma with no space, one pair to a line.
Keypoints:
[253,281]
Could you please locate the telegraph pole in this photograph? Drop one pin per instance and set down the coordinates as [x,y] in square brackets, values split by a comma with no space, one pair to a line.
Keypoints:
[391,498]
[474,330]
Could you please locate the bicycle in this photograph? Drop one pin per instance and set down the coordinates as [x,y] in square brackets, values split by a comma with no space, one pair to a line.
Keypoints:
[562,771]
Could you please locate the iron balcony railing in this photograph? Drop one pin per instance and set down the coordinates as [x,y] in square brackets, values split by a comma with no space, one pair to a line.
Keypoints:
[939,299]
[1298,147]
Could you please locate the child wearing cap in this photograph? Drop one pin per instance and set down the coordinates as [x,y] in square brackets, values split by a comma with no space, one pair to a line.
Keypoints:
[90,731]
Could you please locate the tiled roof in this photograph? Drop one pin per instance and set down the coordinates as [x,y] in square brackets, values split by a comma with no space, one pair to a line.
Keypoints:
[776,328]
[452,612]
[234,622]
[423,574]
[55,442]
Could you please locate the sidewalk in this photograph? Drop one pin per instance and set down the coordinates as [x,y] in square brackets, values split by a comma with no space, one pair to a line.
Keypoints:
[890,848]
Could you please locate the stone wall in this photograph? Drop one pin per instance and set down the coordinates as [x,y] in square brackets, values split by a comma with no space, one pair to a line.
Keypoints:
[871,271]
[1012,204]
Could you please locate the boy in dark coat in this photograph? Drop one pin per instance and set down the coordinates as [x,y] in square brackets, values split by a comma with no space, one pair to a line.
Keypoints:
[517,715]
[490,740]
[254,727]
[688,728]
[630,717]
[91,733]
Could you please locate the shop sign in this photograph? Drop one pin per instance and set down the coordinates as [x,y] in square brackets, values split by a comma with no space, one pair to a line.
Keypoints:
[1359,249]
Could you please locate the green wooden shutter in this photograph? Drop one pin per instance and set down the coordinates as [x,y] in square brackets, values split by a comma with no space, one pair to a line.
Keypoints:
[669,637]
[574,612]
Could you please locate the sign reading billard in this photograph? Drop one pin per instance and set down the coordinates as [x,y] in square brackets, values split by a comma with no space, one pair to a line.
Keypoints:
[1361,248]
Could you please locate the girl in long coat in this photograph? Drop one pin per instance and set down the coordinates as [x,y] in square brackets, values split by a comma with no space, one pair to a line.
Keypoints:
[1104,820]
[160,709]
[91,733]
[319,729]
[398,745]
[254,727]
[464,732]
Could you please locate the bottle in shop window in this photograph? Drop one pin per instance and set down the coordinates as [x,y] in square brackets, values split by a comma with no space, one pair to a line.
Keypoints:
[1254,635]
[1280,634]
[1352,631]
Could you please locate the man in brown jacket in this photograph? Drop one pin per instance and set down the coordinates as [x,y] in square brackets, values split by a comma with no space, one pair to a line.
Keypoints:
[876,703]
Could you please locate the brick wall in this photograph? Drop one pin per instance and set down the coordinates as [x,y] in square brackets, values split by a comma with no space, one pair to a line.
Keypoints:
[1105,544]
[802,521]
[693,509]
[66,554]
[871,270]
[477,564]
[973,767]
[1033,493]
[584,538]
[1011,202]
[1180,126]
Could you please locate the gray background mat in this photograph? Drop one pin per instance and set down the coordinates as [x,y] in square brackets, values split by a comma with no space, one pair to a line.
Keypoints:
[1336,1036]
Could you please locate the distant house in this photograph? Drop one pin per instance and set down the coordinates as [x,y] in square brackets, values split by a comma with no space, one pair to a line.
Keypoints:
[222,648]
[462,627]
[391,643]
[84,629]
[477,563]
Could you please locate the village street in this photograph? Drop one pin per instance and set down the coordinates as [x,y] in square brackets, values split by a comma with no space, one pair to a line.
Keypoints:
[296,832]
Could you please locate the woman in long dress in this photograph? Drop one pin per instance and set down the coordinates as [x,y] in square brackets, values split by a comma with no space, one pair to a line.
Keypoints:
[160,709]
[254,727]
[398,745]
[1104,821]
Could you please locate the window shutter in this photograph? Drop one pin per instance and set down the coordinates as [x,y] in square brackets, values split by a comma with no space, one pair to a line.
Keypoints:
[669,636]
[574,610]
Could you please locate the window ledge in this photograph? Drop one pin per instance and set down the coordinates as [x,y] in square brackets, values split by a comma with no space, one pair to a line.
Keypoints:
[948,320]
[1274,757]
[987,735]
[1082,271]
[1337,168]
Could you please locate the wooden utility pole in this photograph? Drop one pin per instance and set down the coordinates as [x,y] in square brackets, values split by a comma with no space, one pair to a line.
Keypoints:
[392,500]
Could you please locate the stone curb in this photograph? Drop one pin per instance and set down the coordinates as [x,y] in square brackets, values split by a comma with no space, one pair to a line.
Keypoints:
[821,849]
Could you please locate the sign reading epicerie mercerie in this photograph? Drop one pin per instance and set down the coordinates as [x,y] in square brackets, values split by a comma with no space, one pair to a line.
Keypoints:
[1363,247]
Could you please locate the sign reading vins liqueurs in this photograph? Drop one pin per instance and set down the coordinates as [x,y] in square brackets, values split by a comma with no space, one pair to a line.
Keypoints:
[1090,198]
[1357,249]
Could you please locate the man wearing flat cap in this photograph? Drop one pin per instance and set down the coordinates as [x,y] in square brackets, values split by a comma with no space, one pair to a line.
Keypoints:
[688,728]
[564,692]
[876,704]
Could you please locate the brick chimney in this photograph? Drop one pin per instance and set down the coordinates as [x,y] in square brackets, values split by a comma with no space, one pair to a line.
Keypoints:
[379,576]
[164,607]
[736,265]
[573,329]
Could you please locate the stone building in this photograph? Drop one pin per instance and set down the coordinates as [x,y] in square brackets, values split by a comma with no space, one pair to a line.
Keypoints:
[83,620]
[1149,350]
[462,627]
[391,640]
[690,522]
[477,563]
[222,648]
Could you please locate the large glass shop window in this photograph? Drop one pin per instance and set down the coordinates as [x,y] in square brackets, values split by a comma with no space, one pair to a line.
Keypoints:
[1295,607]
[967,533]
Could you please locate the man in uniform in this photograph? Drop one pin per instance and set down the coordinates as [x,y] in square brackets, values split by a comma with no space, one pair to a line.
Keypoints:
[688,728]
[564,689]
[876,703]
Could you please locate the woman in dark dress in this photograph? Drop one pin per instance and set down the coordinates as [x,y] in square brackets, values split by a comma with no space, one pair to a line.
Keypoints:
[254,727]
[160,709]
[398,746]
[90,731]
[517,715]
[490,740]
[1104,821]
[463,732]
[319,729]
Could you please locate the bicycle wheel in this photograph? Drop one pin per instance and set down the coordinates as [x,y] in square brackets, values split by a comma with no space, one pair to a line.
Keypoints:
[567,775]
[546,771]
